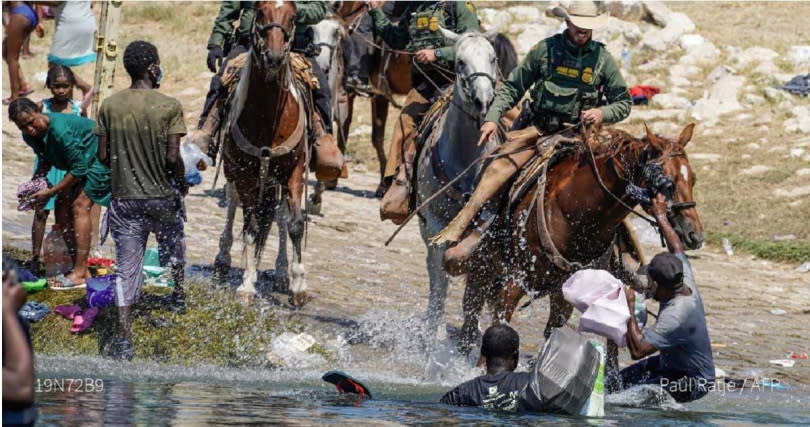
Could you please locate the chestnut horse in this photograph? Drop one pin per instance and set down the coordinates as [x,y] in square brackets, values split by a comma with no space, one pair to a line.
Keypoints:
[581,218]
[265,152]
[391,75]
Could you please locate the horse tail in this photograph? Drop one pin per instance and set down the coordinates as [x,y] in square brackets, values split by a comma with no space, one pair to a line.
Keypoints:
[506,53]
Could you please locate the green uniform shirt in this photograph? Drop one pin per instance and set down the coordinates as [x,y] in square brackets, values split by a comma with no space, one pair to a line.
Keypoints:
[306,13]
[69,144]
[418,27]
[137,123]
[565,82]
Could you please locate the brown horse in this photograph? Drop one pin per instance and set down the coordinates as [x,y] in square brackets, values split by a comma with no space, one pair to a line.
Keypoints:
[265,152]
[391,75]
[581,219]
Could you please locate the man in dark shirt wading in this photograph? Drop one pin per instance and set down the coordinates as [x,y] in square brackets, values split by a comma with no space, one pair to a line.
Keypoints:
[501,386]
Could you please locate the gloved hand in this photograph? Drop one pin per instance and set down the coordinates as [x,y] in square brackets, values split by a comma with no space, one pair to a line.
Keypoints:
[215,55]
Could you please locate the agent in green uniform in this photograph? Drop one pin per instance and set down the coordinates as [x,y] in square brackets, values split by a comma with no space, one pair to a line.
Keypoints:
[418,33]
[568,74]
[222,42]
[67,142]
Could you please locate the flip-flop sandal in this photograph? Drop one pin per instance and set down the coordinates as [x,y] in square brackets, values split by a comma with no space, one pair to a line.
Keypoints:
[25,91]
[346,384]
[68,311]
[83,320]
[62,283]
[8,101]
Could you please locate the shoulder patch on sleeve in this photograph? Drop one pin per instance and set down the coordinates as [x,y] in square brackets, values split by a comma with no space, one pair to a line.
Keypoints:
[470,6]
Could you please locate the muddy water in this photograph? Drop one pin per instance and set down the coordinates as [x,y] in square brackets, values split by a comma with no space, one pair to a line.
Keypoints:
[147,394]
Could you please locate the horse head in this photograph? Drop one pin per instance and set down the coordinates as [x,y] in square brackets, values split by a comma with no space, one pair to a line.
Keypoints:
[273,33]
[671,155]
[476,68]
[326,35]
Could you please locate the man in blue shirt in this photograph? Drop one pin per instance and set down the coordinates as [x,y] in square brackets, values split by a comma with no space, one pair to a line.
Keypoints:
[684,366]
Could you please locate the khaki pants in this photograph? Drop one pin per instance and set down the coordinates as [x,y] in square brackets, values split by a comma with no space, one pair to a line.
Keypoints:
[411,116]
[493,178]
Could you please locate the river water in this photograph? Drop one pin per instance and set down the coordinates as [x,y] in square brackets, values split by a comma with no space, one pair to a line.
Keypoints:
[152,394]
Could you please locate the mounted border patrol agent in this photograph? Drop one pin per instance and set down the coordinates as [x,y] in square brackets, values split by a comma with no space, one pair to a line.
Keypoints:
[419,33]
[229,41]
[567,75]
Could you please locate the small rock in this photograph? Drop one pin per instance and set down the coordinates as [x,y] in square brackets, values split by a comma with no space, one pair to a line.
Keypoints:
[799,56]
[656,12]
[659,40]
[796,152]
[722,99]
[531,35]
[778,312]
[751,99]
[763,119]
[803,172]
[766,68]
[753,146]
[774,95]
[666,100]
[804,268]
[525,13]
[746,156]
[784,237]
[755,170]
[754,55]
[791,193]
[709,157]
[637,114]
[495,20]
[626,9]
[720,72]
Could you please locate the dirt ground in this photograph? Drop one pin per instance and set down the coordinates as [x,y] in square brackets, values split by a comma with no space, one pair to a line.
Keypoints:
[350,272]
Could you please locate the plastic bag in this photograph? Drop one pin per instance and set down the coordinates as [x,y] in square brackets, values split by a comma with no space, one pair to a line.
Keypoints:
[608,317]
[564,375]
[595,406]
[192,155]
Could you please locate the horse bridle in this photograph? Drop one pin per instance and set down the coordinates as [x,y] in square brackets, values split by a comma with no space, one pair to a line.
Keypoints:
[259,31]
[466,82]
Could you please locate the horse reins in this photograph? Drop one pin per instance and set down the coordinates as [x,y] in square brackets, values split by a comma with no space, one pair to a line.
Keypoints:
[492,154]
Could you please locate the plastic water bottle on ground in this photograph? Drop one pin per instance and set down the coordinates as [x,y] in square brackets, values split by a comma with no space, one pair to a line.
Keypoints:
[56,253]
[727,247]
[626,58]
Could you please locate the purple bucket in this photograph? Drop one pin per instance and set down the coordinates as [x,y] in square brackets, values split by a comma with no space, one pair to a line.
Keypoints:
[101,290]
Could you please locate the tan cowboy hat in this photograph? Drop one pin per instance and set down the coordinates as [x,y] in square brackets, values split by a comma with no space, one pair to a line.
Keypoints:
[583,14]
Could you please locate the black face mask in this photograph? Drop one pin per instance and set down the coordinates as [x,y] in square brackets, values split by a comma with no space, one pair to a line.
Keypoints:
[157,78]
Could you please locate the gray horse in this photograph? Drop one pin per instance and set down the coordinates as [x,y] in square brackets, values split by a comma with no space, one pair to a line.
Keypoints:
[458,132]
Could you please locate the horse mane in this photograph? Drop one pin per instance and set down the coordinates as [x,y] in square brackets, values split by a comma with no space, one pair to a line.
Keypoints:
[618,145]
[506,54]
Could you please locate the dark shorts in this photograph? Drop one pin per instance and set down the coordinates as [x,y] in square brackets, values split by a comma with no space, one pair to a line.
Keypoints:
[682,387]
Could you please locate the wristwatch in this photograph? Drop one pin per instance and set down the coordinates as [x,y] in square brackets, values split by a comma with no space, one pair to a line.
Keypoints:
[437,52]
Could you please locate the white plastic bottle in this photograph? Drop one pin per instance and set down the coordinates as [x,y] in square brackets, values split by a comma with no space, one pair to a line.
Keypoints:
[595,406]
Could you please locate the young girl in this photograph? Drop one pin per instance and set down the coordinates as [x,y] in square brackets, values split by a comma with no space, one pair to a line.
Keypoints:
[22,20]
[67,142]
[60,81]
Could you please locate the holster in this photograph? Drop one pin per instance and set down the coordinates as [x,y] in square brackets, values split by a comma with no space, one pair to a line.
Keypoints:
[525,118]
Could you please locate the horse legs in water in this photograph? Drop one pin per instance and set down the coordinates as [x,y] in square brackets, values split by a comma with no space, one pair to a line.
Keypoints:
[478,290]
[559,311]
[222,262]
[439,283]
[258,220]
[296,230]
[282,277]
[379,112]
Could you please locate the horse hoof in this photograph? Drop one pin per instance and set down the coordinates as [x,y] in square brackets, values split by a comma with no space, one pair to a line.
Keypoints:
[313,208]
[381,189]
[245,297]
[221,273]
[330,185]
[300,299]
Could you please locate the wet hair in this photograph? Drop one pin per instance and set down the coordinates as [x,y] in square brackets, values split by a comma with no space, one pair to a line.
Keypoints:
[59,71]
[138,56]
[500,342]
[21,106]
